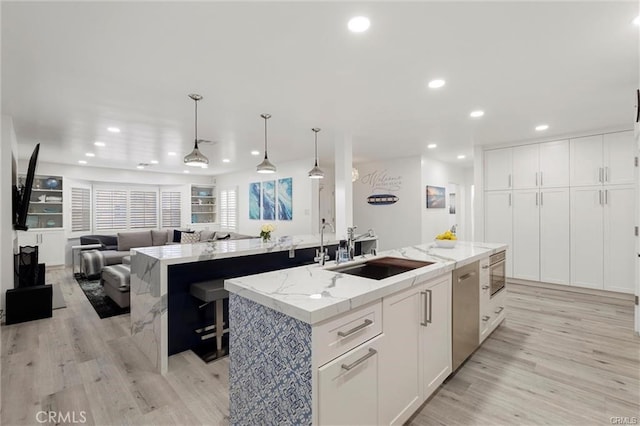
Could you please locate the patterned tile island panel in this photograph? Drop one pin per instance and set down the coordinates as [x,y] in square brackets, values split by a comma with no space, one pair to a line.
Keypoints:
[270,366]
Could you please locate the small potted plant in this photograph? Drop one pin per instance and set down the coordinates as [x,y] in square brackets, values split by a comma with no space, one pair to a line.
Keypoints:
[265,231]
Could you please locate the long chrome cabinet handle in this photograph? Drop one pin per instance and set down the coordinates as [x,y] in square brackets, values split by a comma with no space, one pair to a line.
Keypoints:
[465,276]
[541,198]
[509,200]
[509,180]
[426,319]
[366,323]
[600,195]
[536,178]
[499,310]
[359,361]
[540,178]
[606,196]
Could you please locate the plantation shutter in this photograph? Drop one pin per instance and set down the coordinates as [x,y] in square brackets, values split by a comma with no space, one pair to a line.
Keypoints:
[171,209]
[80,209]
[143,209]
[228,209]
[110,209]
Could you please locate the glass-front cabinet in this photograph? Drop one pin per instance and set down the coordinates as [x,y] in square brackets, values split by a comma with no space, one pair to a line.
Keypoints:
[45,205]
[203,204]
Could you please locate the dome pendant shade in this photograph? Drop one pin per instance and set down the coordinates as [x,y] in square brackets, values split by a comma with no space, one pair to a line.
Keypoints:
[316,172]
[266,166]
[195,158]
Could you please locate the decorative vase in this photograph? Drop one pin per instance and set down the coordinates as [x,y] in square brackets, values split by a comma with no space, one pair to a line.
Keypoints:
[52,183]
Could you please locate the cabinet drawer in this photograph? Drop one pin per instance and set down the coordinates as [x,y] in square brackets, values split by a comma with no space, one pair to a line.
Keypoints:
[498,307]
[339,335]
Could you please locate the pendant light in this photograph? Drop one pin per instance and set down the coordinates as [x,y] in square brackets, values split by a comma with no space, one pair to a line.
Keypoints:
[316,173]
[195,158]
[265,166]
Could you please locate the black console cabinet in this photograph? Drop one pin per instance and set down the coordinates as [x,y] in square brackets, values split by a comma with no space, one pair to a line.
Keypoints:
[29,303]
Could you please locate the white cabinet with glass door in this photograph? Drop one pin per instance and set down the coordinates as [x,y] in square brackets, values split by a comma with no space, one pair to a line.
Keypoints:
[203,204]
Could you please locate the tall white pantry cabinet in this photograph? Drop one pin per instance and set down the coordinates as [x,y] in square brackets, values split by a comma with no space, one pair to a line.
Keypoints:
[566,209]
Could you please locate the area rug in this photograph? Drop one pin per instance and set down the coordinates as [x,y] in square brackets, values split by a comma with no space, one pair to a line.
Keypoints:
[103,305]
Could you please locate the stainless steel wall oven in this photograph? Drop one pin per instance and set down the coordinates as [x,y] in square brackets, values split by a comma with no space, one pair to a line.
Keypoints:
[497,269]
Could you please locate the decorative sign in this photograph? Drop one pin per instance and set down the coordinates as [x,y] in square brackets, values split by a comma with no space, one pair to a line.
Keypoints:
[382,187]
[285,199]
[436,197]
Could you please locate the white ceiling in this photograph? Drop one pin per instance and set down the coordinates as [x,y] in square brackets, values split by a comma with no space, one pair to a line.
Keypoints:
[70,70]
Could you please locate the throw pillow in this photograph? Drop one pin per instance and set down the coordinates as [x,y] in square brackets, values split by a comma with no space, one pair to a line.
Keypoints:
[177,235]
[158,238]
[190,237]
[206,235]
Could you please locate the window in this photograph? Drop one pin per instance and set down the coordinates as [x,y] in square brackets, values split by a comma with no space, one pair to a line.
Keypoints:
[80,209]
[171,209]
[143,209]
[228,209]
[110,209]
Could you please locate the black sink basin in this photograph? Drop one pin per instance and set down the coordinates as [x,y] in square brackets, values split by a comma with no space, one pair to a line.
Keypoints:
[379,269]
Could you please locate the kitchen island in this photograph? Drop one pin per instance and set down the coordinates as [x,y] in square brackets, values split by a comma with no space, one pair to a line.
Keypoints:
[162,310]
[311,345]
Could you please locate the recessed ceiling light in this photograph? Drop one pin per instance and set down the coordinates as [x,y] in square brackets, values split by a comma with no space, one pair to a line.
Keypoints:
[171,153]
[476,114]
[139,167]
[153,162]
[98,143]
[255,152]
[542,127]
[90,154]
[359,24]
[226,160]
[82,162]
[315,296]
[435,84]
[185,171]
[636,21]
[461,157]
[432,146]
[113,129]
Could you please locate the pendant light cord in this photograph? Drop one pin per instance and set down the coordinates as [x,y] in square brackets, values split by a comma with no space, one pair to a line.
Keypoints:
[265,137]
[196,132]
[316,147]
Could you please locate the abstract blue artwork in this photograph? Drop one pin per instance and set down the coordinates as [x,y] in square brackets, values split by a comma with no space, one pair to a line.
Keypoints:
[269,200]
[285,197]
[254,200]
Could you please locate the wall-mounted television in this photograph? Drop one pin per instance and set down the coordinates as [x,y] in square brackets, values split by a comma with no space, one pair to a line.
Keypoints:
[22,194]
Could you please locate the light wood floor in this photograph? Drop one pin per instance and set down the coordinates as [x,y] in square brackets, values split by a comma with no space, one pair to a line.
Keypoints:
[560,358]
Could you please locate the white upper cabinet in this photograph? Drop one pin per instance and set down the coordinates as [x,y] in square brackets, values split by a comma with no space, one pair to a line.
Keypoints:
[497,169]
[525,167]
[554,164]
[586,161]
[619,158]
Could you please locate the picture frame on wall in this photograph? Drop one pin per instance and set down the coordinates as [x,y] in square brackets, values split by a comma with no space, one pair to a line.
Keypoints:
[269,200]
[285,199]
[254,200]
[436,197]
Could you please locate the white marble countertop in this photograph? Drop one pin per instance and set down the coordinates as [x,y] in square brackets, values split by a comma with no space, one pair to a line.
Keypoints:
[314,293]
[185,253]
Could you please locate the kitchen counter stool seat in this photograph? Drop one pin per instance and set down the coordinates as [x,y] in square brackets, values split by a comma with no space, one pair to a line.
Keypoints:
[210,292]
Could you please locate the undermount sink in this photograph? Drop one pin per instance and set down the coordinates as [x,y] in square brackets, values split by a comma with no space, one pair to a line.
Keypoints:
[381,268]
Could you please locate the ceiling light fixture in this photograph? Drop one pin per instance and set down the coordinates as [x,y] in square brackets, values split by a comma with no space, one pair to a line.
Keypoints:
[139,167]
[98,143]
[255,152]
[266,166]
[316,172]
[476,114]
[90,154]
[113,129]
[226,160]
[171,153]
[82,162]
[636,20]
[432,146]
[186,171]
[542,127]
[461,157]
[436,84]
[359,24]
[195,158]
[153,162]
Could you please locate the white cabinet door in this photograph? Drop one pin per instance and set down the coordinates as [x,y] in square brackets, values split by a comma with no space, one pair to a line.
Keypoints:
[435,338]
[525,167]
[619,158]
[586,236]
[526,234]
[51,245]
[497,169]
[400,386]
[348,387]
[555,245]
[554,164]
[586,161]
[619,238]
[498,221]
[485,296]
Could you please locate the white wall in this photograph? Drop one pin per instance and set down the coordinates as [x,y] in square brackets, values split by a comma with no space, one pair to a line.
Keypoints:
[438,220]
[304,192]
[396,225]
[8,153]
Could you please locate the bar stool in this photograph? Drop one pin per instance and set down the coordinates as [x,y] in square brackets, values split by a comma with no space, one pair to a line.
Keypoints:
[208,292]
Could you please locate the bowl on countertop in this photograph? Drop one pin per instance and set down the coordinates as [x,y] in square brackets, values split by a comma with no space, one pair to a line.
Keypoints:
[446,243]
